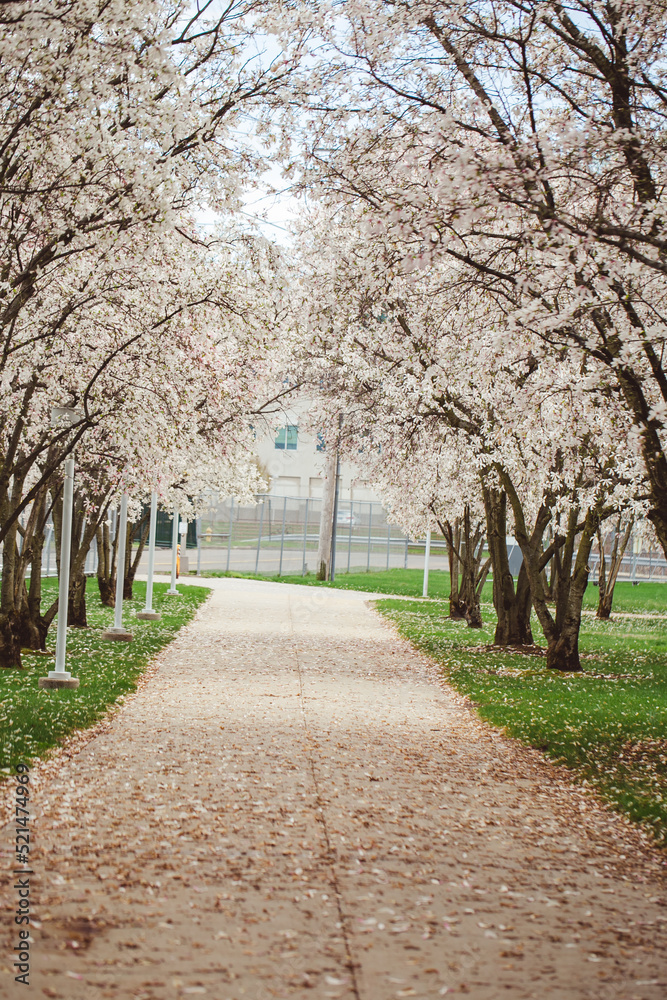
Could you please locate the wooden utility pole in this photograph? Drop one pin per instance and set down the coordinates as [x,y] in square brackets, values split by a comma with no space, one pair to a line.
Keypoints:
[326,556]
[325,545]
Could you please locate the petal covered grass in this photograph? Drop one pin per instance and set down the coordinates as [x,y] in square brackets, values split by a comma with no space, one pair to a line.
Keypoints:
[32,721]
[608,723]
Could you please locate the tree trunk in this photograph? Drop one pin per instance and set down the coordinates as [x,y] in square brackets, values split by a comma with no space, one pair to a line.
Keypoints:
[84,528]
[608,583]
[10,607]
[512,606]
[139,530]
[76,598]
[563,652]
[605,604]
[465,546]
[76,605]
[21,619]
[471,557]
[561,631]
[10,631]
[513,627]
[34,626]
[653,453]
[563,557]
[106,565]
[10,640]
[602,572]
[452,534]
[325,543]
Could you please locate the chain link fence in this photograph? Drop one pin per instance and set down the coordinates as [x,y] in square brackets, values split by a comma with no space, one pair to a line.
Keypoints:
[279,536]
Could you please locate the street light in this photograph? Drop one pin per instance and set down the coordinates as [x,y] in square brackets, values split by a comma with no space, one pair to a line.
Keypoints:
[117,632]
[59,677]
[334,529]
[148,614]
[427,555]
[184,566]
[172,592]
[63,416]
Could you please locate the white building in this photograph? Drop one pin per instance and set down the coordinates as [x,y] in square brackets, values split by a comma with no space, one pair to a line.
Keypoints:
[295,461]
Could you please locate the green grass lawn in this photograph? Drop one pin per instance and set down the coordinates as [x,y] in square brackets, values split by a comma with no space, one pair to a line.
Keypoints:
[407,582]
[646,597]
[32,721]
[609,724]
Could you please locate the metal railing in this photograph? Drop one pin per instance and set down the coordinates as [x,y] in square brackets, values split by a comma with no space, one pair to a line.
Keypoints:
[280,535]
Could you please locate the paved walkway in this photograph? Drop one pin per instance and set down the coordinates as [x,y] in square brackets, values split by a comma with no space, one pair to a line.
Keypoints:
[293,806]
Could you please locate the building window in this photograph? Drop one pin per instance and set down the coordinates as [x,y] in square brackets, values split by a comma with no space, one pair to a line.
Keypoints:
[321,445]
[286,438]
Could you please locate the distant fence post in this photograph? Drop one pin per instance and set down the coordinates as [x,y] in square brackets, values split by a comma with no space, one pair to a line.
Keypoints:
[282,539]
[198,529]
[49,537]
[370,531]
[349,538]
[231,528]
[405,561]
[259,535]
[388,543]
[305,540]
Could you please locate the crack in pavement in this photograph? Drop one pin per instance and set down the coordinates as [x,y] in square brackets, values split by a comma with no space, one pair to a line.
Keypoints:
[321,815]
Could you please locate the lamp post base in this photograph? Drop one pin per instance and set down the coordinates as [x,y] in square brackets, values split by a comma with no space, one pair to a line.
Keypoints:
[147,616]
[172,593]
[59,679]
[117,635]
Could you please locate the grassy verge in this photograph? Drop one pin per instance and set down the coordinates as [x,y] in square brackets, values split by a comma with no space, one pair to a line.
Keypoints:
[646,598]
[405,582]
[33,721]
[609,724]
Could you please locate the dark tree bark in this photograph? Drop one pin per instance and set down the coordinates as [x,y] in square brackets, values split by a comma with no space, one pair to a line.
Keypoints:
[137,531]
[562,630]
[549,573]
[473,573]
[10,630]
[34,625]
[76,602]
[84,529]
[22,625]
[106,565]
[465,544]
[452,534]
[76,605]
[512,605]
[608,582]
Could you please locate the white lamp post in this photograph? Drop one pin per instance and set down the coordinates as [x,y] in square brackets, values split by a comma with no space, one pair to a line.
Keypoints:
[427,556]
[172,592]
[117,632]
[148,614]
[184,561]
[61,678]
